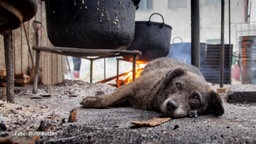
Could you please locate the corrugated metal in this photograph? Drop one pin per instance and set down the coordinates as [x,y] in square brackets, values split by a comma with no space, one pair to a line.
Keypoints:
[209,60]
[247,59]
[51,64]
[211,66]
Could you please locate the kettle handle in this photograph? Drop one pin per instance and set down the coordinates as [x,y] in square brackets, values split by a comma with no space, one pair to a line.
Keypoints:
[149,20]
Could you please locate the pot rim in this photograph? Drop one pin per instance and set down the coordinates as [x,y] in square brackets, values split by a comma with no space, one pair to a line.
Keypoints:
[152,23]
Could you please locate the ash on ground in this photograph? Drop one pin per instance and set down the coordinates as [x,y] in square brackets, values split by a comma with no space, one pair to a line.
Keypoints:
[46,114]
[51,104]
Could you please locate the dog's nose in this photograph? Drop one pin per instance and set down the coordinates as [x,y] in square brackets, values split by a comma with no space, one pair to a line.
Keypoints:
[171,105]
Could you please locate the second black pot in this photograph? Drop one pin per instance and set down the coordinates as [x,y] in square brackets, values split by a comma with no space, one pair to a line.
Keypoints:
[151,38]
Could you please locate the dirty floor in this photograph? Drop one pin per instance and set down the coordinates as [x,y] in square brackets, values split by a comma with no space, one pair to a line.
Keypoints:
[51,106]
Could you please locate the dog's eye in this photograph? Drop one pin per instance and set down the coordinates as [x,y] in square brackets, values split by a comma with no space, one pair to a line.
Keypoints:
[178,86]
[195,96]
[194,100]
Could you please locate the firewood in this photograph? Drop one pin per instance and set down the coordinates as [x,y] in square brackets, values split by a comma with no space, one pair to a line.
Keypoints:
[22,79]
[19,140]
[72,115]
[2,72]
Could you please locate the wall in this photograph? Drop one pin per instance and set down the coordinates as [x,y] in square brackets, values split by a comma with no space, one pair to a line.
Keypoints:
[52,65]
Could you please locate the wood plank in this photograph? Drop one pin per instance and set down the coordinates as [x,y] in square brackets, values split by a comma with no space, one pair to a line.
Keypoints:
[44,67]
[17,51]
[2,72]
[60,69]
[2,61]
[24,50]
[54,71]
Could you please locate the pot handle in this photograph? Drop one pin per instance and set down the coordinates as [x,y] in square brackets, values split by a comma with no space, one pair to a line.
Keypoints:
[149,20]
[136,3]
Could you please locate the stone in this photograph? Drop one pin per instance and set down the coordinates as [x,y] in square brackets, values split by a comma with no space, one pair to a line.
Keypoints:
[242,93]
[1,103]
[2,126]
[45,126]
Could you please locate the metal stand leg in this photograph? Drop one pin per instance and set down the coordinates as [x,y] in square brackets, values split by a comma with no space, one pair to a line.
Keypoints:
[91,70]
[105,68]
[37,25]
[9,55]
[134,67]
[117,73]
[37,71]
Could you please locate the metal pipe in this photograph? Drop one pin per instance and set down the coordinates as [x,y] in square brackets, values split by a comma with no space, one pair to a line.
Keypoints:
[104,68]
[229,37]
[195,33]
[117,72]
[29,47]
[222,45]
[134,67]
[37,71]
[91,70]
[9,57]
[37,25]
[112,78]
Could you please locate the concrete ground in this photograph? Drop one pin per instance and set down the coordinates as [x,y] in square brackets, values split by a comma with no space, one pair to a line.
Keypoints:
[237,125]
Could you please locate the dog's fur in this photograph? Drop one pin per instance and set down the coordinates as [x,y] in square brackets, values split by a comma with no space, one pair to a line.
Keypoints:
[165,85]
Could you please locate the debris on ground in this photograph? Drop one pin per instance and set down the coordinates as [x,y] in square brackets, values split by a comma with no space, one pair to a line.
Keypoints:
[152,122]
[72,115]
[46,117]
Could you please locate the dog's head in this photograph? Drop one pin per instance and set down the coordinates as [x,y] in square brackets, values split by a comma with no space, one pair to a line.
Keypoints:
[185,91]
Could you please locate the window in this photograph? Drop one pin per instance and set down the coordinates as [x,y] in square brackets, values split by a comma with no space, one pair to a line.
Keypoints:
[213,41]
[146,5]
[173,4]
[213,2]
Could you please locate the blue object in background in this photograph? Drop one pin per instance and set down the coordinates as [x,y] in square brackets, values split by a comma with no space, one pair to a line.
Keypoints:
[180,52]
[77,63]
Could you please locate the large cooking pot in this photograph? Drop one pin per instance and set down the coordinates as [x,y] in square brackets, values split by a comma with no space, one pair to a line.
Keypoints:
[14,12]
[102,24]
[151,38]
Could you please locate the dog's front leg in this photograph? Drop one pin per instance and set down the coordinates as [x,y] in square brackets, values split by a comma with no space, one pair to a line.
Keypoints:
[108,100]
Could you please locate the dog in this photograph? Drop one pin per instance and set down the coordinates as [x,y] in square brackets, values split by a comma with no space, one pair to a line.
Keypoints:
[174,88]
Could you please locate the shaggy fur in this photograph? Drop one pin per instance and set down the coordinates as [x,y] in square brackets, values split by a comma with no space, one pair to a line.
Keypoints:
[167,86]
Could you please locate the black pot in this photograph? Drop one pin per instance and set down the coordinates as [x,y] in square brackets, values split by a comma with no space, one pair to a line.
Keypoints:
[14,12]
[102,24]
[151,38]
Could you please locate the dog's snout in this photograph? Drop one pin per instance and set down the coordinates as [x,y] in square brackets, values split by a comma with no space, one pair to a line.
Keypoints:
[171,105]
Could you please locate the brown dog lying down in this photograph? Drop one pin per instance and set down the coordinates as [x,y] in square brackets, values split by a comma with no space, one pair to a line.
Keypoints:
[168,86]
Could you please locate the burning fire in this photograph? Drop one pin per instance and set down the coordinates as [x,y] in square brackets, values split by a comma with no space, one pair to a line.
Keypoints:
[139,68]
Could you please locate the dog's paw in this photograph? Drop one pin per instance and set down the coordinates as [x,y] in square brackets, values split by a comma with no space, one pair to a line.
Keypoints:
[193,114]
[91,102]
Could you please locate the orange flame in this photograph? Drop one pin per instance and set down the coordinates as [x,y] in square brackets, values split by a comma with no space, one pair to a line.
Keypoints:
[139,68]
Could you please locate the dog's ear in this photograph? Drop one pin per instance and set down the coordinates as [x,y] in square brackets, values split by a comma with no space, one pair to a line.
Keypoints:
[215,104]
[170,75]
